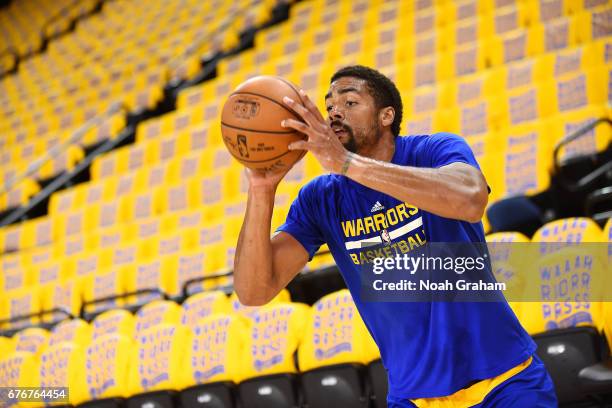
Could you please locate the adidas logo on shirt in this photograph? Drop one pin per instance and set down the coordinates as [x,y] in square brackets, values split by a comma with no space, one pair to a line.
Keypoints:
[377,207]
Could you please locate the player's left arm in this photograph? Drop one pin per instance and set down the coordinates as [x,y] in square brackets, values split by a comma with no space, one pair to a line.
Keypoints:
[457,190]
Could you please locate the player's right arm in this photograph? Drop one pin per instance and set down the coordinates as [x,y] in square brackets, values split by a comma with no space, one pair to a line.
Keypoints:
[263,265]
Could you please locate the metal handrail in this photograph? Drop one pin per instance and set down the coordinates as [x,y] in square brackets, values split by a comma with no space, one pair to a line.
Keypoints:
[583,182]
[59,148]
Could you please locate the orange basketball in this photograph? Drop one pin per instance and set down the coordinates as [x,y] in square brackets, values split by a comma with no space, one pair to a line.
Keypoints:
[251,124]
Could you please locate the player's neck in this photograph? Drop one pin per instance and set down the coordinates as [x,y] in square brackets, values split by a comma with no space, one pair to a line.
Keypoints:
[382,150]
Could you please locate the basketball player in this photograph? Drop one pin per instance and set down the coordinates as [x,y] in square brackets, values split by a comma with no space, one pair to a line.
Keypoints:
[442,354]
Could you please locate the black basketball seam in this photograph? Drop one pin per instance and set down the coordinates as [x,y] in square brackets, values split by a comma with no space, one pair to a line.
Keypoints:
[288,109]
[277,132]
[261,161]
[292,87]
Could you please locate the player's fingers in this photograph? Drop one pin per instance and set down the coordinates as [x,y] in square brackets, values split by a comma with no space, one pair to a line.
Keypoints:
[299,145]
[302,111]
[309,104]
[297,125]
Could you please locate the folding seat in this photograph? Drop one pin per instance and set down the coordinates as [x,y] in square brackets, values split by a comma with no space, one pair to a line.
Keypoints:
[569,230]
[102,284]
[108,129]
[575,91]
[213,364]
[131,253]
[64,296]
[526,159]
[569,337]
[37,232]
[16,277]
[469,88]
[566,123]
[87,263]
[32,340]
[520,74]
[507,18]
[156,365]
[556,34]
[11,238]
[426,99]
[74,222]
[105,214]
[149,129]
[249,312]
[426,124]
[152,279]
[593,24]
[150,227]
[116,321]
[155,313]
[138,206]
[202,305]
[192,265]
[177,197]
[332,356]
[21,302]
[523,105]
[17,370]
[65,161]
[60,367]
[269,367]
[105,372]
[106,237]
[75,331]
[515,45]
[425,71]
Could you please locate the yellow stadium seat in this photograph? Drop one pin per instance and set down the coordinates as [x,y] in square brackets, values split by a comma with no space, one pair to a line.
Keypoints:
[249,311]
[60,366]
[105,369]
[566,123]
[18,370]
[157,361]
[526,159]
[151,277]
[195,264]
[274,337]
[32,340]
[37,232]
[64,295]
[553,310]
[66,160]
[575,91]
[469,88]
[472,118]
[155,313]
[426,99]
[69,246]
[542,11]
[202,305]
[520,74]
[87,263]
[21,193]
[116,321]
[215,351]
[49,273]
[150,227]
[15,278]
[151,177]
[101,285]
[593,24]
[335,334]
[143,205]
[76,331]
[22,302]
[75,222]
[504,19]
[106,237]
[428,123]
[181,168]
[523,105]
[554,236]
[7,346]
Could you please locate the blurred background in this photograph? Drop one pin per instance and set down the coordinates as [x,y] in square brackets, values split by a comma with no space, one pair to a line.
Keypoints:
[120,206]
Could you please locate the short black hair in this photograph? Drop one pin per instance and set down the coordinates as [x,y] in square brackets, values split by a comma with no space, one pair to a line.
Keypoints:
[382,89]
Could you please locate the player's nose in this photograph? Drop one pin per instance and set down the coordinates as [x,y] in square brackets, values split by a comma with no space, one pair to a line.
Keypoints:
[335,113]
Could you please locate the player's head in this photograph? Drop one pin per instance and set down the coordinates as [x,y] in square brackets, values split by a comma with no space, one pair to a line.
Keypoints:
[362,103]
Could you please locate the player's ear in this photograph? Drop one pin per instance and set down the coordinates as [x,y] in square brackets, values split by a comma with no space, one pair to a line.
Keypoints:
[387,116]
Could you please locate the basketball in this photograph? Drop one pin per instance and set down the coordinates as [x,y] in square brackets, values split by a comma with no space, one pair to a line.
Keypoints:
[251,124]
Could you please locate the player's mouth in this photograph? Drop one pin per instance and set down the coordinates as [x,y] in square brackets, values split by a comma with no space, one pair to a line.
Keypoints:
[340,130]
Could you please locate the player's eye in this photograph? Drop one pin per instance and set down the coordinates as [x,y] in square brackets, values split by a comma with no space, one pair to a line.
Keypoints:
[351,103]
[329,108]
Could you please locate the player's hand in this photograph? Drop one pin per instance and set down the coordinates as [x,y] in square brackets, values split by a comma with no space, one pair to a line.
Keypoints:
[259,179]
[322,142]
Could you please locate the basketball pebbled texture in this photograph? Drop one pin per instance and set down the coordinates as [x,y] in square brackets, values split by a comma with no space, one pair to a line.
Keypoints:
[251,124]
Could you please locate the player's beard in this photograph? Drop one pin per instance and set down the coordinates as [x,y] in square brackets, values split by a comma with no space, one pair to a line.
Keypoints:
[365,137]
